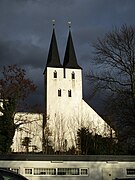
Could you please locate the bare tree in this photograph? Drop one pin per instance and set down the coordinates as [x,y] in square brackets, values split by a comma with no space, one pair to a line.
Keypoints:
[46,140]
[60,142]
[115,75]
[31,126]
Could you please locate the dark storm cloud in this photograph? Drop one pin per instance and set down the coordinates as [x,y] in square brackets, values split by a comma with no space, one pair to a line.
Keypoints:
[26,27]
[22,54]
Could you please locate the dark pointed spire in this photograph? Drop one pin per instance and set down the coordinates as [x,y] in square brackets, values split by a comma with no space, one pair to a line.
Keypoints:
[70,60]
[53,59]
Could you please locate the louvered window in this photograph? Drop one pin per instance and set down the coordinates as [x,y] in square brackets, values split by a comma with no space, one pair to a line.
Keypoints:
[55,74]
[59,92]
[69,93]
[73,75]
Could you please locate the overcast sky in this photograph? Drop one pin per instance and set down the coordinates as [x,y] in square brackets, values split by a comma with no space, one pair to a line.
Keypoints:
[26,28]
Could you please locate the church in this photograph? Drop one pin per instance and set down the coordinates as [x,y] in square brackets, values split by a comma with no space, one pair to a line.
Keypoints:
[65,109]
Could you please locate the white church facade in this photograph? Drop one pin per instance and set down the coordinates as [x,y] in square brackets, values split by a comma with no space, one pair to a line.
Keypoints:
[65,109]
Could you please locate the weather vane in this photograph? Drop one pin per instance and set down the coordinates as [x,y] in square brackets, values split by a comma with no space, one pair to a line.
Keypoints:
[53,21]
[69,24]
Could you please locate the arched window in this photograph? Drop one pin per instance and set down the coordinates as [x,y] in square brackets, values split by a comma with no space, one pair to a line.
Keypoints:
[55,74]
[69,93]
[59,92]
[73,75]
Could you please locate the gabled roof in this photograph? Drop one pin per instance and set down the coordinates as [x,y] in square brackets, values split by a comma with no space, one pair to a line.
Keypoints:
[53,59]
[70,60]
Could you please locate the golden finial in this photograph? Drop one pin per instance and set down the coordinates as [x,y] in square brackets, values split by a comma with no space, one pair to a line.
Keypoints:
[53,21]
[69,24]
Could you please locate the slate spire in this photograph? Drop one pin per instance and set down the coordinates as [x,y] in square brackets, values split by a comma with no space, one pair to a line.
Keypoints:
[70,60]
[53,59]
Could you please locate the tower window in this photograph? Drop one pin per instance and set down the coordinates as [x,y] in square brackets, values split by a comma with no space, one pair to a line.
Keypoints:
[59,92]
[73,75]
[55,74]
[69,93]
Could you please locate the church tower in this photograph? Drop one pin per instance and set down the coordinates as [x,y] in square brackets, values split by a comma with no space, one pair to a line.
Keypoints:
[63,83]
[65,109]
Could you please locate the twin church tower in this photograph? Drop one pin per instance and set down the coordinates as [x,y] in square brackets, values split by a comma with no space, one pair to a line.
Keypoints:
[65,109]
